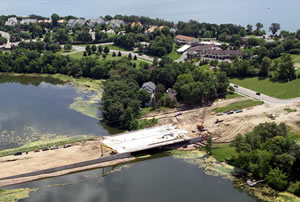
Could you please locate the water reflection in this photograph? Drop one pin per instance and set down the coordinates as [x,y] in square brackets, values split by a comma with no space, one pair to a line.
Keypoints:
[157,179]
[34,106]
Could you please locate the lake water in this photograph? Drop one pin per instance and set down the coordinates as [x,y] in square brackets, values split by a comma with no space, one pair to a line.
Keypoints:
[31,107]
[213,11]
[159,179]
[41,105]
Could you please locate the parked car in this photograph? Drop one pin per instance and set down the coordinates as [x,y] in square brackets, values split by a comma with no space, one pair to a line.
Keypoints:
[230,112]
[220,114]
[67,145]
[178,114]
[18,154]
[45,149]
[257,93]
[239,111]
[37,150]
[236,86]
[54,147]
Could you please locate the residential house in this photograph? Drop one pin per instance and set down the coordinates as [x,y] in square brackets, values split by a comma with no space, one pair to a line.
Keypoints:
[150,88]
[181,39]
[152,28]
[28,21]
[76,22]
[44,21]
[11,21]
[136,24]
[95,21]
[171,93]
[61,21]
[116,23]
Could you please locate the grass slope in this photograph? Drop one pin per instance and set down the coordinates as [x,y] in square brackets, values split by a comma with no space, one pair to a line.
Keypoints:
[222,153]
[275,89]
[238,105]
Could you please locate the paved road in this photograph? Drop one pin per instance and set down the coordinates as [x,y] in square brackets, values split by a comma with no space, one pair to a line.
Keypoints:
[265,98]
[182,57]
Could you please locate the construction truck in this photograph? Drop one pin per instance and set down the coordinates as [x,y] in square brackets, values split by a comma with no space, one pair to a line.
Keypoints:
[200,127]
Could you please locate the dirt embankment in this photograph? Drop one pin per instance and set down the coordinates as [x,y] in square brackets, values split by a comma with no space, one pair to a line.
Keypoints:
[233,124]
[36,161]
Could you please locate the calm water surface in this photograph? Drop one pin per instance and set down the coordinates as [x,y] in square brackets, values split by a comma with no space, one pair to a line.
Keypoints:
[214,11]
[161,179]
[31,107]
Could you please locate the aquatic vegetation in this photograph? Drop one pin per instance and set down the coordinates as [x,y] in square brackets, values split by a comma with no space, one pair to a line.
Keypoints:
[34,139]
[15,194]
[209,164]
[212,167]
[89,93]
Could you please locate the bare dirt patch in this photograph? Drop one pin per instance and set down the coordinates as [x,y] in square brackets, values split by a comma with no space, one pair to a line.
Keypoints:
[231,125]
[35,161]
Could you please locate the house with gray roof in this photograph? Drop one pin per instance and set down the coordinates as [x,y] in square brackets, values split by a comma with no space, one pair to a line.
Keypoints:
[116,23]
[11,21]
[75,22]
[94,21]
[149,87]
[28,21]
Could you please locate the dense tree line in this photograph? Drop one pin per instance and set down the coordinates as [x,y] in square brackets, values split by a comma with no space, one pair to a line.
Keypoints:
[269,154]
[282,69]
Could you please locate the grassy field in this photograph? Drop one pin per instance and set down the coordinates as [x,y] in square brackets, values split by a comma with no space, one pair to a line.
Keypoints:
[222,153]
[138,62]
[275,89]
[238,105]
[174,55]
[231,96]
[296,58]
[64,51]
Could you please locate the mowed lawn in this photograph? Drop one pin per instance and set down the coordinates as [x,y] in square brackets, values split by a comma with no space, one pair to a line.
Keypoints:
[79,55]
[174,55]
[238,105]
[285,90]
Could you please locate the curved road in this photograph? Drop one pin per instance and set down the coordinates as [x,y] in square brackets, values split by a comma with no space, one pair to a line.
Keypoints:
[265,98]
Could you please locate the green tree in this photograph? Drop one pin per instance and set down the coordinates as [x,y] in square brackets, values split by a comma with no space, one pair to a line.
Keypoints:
[274,28]
[129,56]
[119,54]
[259,26]
[144,97]
[265,66]
[106,50]
[208,146]
[100,49]
[277,179]
[54,18]
[94,48]
[114,54]
[68,47]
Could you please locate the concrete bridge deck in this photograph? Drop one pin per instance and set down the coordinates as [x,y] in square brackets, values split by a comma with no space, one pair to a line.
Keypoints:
[146,139]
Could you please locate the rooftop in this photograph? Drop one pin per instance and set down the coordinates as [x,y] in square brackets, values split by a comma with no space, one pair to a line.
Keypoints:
[184,38]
